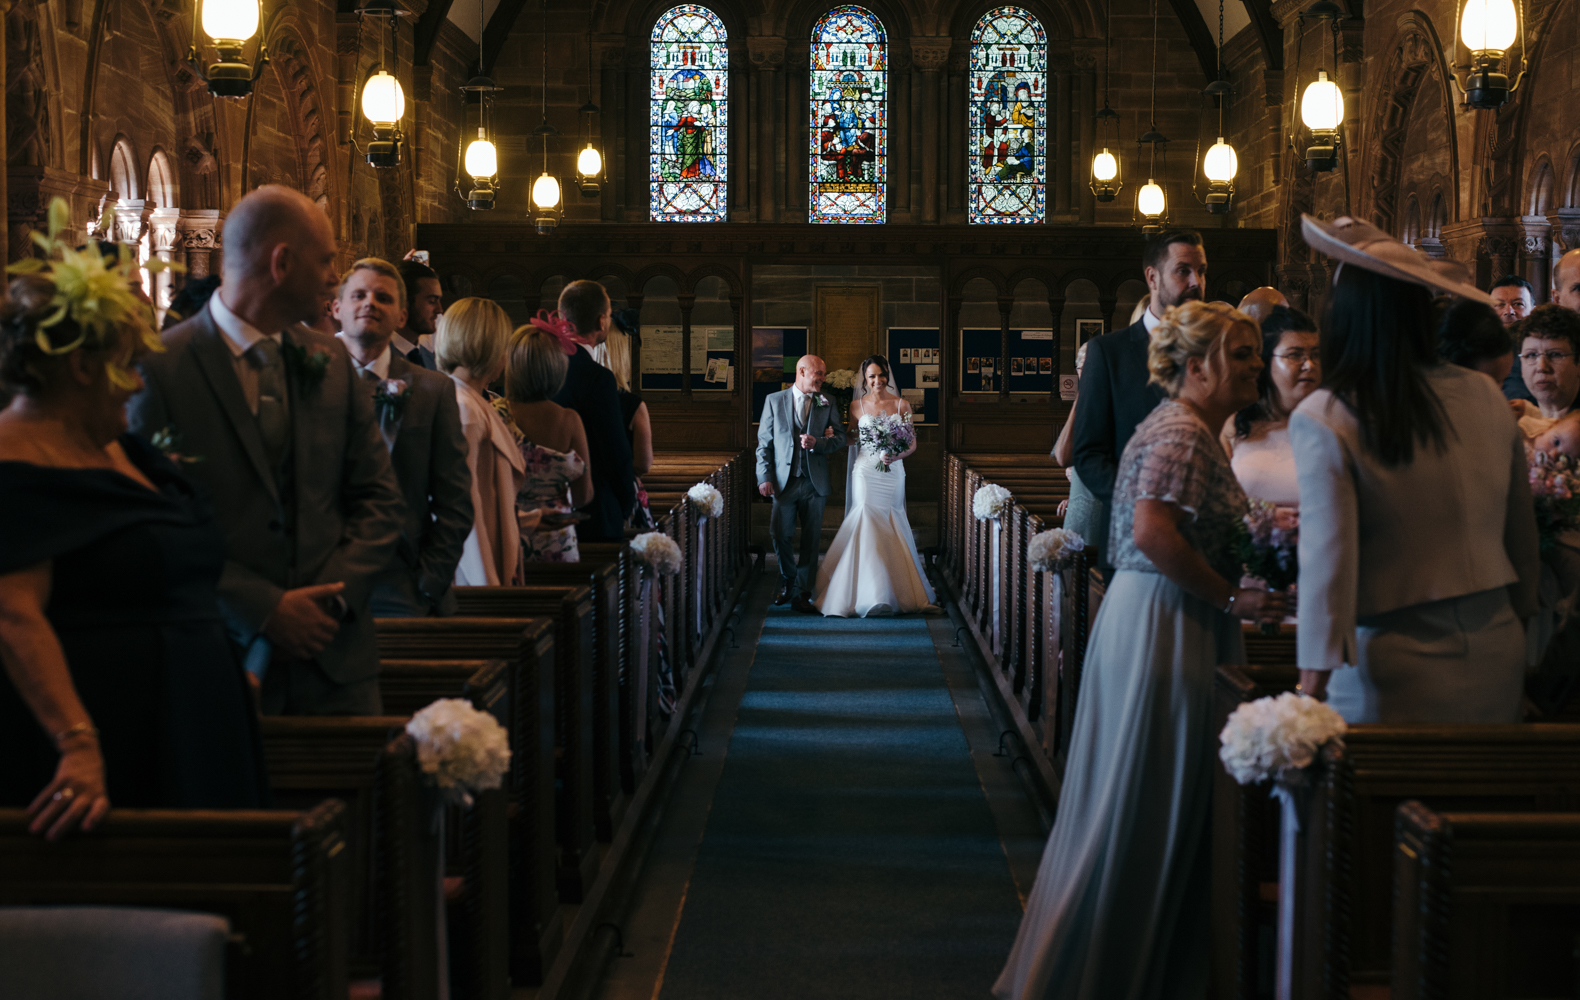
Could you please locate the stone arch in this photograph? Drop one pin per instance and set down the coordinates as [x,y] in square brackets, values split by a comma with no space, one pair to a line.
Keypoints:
[125,181]
[162,188]
[1540,198]
[1410,227]
[1414,71]
[291,61]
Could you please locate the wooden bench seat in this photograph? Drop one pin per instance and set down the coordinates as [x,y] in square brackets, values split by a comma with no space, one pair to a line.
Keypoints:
[409,686]
[278,875]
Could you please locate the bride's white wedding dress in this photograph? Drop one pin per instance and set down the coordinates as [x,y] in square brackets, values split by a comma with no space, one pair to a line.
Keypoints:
[872,567]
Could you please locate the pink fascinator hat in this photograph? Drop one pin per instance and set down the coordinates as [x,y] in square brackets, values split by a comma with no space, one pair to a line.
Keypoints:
[563,329]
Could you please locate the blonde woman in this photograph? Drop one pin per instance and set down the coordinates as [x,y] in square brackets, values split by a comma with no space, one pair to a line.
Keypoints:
[469,346]
[554,445]
[1120,904]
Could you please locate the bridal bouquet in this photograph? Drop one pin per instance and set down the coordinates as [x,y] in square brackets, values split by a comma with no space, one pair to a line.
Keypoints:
[1053,551]
[460,749]
[1555,486]
[989,501]
[883,434]
[1269,736]
[709,501]
[658,552]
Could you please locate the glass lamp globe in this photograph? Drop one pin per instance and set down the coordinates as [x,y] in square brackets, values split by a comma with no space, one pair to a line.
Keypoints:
[1488,25]
[546,192]
[482,160]
[1322,106]
[589,163]
[230,20]
[1104,166]
[1150,202]
[1221,163]
[383,101]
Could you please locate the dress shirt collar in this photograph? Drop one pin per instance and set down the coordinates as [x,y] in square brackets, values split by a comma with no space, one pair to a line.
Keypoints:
[401,344]
[240,335]
[1149,319]
[379,367]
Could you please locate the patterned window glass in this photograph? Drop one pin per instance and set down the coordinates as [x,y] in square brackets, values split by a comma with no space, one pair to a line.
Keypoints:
[1009,118]
[850,117]
[689,140]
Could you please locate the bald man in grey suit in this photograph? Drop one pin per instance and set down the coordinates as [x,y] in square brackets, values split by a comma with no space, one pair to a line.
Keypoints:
[289,451]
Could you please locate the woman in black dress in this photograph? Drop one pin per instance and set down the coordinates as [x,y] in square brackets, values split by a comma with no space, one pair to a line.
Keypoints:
[119,683]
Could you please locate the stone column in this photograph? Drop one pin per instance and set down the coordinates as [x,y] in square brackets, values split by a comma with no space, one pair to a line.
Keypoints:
[163,221]
[796,132]
[1060,172]
[954,110]
[1006,303]
[1535,254]
[610,54]
[1056,309]
[768,57]
[902,122]
[930,55]
[1083,161]
[637,168]
[198,235]
[686,301]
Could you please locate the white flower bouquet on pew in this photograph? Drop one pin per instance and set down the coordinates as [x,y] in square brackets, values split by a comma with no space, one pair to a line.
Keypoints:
[1053,551]
[658,552]
[1272,737]
[460,749]
[708,500]
[989,502]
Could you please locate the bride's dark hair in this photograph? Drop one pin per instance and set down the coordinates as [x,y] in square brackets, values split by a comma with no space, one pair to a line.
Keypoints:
[883,366]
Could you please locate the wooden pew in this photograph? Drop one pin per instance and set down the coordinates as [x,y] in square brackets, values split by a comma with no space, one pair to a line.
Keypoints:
[527,647]
[571,609]
[409,686]
[278,875]
[1486,905]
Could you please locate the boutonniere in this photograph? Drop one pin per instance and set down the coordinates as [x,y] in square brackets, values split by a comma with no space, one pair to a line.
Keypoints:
[308,368]
[168,440]
[819,401]
[390,397]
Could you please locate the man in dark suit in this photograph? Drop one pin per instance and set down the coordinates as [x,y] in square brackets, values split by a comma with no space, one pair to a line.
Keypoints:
[591,391]
[1115,395]
[420,422]
[424,304]
[289,452]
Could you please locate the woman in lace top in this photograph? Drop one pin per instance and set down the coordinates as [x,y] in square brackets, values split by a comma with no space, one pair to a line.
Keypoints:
[1120,907]
[553,446]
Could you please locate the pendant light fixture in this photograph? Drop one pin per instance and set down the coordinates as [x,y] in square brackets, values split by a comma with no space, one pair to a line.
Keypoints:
[229,24]
[481,158]
[383,101]
[589,162]
[1105,182]
[546,189]
[1321,103]
[1488,28]
[1151,201]
[1221,163]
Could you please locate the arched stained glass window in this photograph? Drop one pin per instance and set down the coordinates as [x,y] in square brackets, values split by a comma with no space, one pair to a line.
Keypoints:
[850,117]
[689,94]
[1009,118]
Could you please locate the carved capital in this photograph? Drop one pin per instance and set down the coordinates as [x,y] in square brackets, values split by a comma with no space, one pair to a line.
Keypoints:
[766,51]
[930,54]
[200,239]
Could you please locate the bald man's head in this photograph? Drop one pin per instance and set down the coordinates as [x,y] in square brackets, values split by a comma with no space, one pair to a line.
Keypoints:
[1259,302]
[279,245]
[810,372]
[1566,281]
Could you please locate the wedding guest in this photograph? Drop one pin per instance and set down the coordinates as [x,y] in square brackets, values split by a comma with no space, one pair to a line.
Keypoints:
[1566,281]
[420,422]
[1470,335]
[559,470]
[1114,389]
[1257,438]
[615,355]
[1549,341]
[1395,624]
[1259,303]
[1083,513]
[119,684]
[470,346]
[591,391]
[301,480]
[424,305]
[1130,846]
[1513,298]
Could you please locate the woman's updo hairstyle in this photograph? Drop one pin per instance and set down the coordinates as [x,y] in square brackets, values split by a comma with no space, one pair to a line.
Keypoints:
[535,367]
[29,301]
[1191,330]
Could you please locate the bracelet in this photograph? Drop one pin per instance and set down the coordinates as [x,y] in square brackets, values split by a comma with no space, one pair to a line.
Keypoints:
[1228,609]
[80,729]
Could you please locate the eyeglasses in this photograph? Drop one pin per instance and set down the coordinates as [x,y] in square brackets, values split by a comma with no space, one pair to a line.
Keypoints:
[1299,357]
[1553,357]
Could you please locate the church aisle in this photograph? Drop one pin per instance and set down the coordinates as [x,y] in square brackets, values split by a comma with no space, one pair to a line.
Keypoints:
[849,849]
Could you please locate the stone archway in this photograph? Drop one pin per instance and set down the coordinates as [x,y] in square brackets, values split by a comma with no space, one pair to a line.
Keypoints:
[1416,93]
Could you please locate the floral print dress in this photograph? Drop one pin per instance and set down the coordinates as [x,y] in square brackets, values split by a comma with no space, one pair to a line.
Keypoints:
[548,486]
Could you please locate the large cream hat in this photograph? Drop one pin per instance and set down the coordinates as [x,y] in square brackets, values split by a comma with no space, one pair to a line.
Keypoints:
[1352,241]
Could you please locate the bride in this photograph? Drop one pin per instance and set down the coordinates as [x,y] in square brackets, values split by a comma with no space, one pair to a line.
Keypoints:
[872,567]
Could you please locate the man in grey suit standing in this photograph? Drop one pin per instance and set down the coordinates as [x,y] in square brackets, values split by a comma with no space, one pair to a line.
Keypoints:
[799,430]
[285,441]
[420,423]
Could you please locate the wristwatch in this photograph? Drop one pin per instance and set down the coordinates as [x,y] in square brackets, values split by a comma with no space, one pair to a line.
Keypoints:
[1228,609]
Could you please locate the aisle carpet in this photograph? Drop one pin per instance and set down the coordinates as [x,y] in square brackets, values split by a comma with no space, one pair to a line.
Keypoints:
[850,852]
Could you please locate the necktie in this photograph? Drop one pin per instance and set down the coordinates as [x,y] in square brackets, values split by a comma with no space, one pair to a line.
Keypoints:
[799,466]
[274,421]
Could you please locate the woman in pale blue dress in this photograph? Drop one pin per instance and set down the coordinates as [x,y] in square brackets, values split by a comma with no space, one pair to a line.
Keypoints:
[1120,907]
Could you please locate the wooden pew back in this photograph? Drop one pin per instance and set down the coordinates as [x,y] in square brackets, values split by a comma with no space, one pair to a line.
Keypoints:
[409,686]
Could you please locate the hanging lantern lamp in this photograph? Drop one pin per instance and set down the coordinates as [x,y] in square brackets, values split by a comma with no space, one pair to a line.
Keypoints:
[229,24]
[480,157]
[546,189]
[1105,182]
[1488,29]
[589,162]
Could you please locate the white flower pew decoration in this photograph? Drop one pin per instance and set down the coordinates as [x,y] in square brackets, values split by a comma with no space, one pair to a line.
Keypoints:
[460,749]
[658,552]
[707,499]
[1054,551]
[989,502]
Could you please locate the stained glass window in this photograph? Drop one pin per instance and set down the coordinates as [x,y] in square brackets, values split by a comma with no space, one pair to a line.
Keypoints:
[850,117]
[1009,118]
[689,141]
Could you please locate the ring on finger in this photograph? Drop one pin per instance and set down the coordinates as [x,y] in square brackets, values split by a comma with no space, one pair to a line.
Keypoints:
[66,794]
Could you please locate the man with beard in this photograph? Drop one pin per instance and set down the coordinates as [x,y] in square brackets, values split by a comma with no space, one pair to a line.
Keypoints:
[1115,394]
[1513,299]
[424,305]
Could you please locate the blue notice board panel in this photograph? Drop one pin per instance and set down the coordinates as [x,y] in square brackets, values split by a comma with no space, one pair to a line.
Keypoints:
[914,356]
[1031,361]
[775,350]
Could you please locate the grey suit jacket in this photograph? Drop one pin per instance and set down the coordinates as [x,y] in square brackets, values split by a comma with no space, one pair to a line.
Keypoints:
[777,440]
[1375,539]
[429,457]
[348,507]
